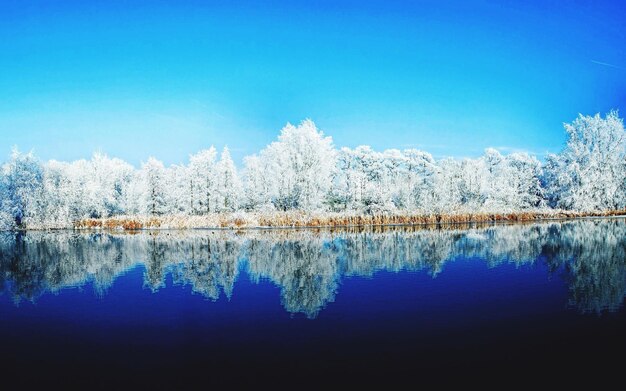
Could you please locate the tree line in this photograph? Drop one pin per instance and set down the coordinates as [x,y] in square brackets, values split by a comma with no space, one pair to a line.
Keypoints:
[302,170]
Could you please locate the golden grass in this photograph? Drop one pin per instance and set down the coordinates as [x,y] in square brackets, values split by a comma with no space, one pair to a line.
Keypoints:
[301,219]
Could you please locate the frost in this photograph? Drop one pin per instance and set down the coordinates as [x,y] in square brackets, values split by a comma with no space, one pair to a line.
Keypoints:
[302,172]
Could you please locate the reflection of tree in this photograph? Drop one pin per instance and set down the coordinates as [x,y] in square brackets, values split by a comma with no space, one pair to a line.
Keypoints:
[154,276]
[36,262]
[306,271]
[307,265]
[594,257]
[28,278]
[211,268]
[521,244]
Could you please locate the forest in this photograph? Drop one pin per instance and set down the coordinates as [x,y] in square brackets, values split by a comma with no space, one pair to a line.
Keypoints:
[303,172]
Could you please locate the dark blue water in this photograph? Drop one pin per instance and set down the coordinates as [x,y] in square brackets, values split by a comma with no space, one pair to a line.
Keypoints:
[298,308]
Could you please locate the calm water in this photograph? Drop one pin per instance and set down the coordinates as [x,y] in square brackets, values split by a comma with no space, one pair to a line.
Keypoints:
[296,307]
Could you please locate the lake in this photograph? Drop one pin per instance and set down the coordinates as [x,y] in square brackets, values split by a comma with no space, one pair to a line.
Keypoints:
[163,309]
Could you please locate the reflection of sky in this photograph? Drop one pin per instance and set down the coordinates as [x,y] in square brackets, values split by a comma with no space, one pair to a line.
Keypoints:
[131,330]
[468,292]
[106,307]
[311,269]
[448,78]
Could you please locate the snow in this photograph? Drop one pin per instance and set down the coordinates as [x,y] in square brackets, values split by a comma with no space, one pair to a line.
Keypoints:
[302,171]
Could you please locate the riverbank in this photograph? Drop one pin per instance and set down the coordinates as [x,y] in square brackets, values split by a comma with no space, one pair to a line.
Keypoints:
[317,220]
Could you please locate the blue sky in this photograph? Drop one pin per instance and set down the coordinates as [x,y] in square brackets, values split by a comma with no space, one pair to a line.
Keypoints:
[139,79]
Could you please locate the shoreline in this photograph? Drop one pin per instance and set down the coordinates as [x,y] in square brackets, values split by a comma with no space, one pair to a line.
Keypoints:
[296,220]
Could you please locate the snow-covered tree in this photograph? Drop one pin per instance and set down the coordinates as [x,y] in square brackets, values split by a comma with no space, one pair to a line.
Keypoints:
[590,173]
[525,181]
[180,186]
[394,179]
[153,188]
[512,183]
[21,190]
[257,184]
[106,183]
[59,197]
[201,180]
[447,195]
[301,164]
[420,175]
[228,184]
[374,191]
[342,194]
[303,171]
[473,184]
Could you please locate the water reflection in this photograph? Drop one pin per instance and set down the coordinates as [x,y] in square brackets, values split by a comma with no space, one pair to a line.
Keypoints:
[308,265]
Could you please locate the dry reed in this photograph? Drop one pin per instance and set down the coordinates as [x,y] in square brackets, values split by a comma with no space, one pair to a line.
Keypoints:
[301,219]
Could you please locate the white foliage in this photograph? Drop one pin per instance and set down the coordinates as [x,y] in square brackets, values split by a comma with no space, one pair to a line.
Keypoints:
[589,174]
[228,184]
[202,181]
[257,185]
[21,189]
[300,163]
[152,179]
[303,171]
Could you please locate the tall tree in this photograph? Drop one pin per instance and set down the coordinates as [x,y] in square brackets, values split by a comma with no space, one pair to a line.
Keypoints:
[228,183]
[106,184]
[154,196]
[202,180]
[257,184]
[301,163]
[421,169]
[58,195]
[22,188]
[590,172]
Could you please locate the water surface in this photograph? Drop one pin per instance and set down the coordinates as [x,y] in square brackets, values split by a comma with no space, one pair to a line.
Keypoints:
[171,308]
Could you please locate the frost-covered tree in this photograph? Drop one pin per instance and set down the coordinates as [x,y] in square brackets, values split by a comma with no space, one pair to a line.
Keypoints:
[21,190]
[301,164]
[394,179]
[228,184]
[373,184]
[511,183]
[494,173]
[367,181]
[201,172]
[77,176]
[59,195]
[525,181]
[303,171]
[153,188]
[257,184]
[590,173]
[342,194]
[420,176]
[473,184]
[106,183]
[180,185]
[447,196]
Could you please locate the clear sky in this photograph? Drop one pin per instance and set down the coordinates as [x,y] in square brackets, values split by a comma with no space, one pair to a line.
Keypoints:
[137,79]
